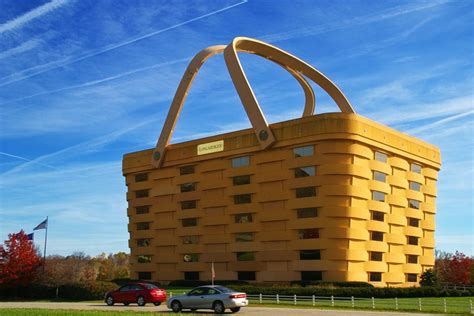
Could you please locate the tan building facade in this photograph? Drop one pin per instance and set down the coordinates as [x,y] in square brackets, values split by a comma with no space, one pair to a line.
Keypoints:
[338,197]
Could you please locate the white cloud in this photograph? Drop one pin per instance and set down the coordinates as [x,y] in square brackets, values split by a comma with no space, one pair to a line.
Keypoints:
[31,15]
[23,47]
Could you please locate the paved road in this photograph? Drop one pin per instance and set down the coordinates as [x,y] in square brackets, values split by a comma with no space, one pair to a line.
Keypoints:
[260,311]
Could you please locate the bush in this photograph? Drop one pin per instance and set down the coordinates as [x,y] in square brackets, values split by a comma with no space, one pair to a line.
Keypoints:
[86,290]
[195,283]
[123,281]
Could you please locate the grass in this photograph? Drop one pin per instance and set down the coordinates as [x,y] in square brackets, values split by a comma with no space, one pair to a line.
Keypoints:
[67,312]
[458,305]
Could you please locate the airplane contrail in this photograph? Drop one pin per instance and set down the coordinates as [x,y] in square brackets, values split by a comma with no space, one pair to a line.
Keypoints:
[18,75]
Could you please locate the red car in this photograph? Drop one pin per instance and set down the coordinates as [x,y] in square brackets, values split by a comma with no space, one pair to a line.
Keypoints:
[140,293]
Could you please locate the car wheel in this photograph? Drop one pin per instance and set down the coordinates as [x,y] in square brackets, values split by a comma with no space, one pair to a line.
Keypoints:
[126,304]
[110,300]
[157,303]
[218,307]
[141,301]
[176,306]
[235,309]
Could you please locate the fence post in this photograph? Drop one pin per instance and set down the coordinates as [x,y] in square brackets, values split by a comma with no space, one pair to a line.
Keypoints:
[352,301]
[332,300]
[373,302]
[294,298]
[396,303]
[419,303]
[260,298]
[278,299]
[445,306]
[470,305]
[314,300]
[171,294]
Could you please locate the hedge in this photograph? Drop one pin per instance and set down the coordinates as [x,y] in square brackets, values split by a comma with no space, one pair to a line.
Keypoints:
[332,284]
[387,292]
[195,283]
[92,290]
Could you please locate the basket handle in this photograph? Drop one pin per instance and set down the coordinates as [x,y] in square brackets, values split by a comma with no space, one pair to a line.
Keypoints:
[281,57]
[185,85]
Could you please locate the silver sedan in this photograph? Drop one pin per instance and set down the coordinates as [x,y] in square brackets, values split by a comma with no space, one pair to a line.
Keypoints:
[214,297]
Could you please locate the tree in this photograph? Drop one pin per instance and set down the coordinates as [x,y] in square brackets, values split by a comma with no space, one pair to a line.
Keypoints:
[428,278]
[19,261]
[454,268]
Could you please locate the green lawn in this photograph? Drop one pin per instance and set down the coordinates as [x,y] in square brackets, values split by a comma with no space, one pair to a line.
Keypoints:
[67,312]
[428,304]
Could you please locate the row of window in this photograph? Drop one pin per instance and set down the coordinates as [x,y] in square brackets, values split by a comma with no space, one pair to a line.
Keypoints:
[314,254]
[305,276]
[378,256]
[382,177]
[377,277]
[297,152]
[383,157]
[380,197]
[379,236]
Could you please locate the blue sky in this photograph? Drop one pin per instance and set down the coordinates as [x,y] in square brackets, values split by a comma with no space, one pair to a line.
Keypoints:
[83,82]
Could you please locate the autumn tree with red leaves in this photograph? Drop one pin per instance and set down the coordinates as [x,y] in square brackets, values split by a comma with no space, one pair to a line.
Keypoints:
[454,268]
[19,261]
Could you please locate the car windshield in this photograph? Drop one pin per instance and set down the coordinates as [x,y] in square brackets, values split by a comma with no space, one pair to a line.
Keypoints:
[224,289]
[151,286]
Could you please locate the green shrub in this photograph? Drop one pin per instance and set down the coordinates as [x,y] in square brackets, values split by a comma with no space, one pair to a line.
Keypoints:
[195,283]
[86,290]
[123,281]
[332,284]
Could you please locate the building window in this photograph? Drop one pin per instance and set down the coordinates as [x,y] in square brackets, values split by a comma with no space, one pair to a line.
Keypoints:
[190,240]
[305,192]
[303,151]
[143,225]
[412,277]
[412,259]
[412,240]
[243,218]
[415,168]
[140,177]
[378,196]
[191,275]
[375,276]
[308,233]
[186,205]
[379,156]
[246,276]
[415,186]
[143,242]
[240,180]
[307,212]
[311,275]
[414,222]
[188,187]
[242,199]
[240,162]
[191,257]
[186,170]
[188,222]
[144,275]
[378,216]
[305,172]
[375,256]
[245,256]
[144,259]
[379,176]
[243,237]
[144,209]
[310,254]
[377,236]
[414,204]
[141,193]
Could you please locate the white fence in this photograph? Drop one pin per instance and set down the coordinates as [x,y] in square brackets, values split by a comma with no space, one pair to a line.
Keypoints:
[420,304]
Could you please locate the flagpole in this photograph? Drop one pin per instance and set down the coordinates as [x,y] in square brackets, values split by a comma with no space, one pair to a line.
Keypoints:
[45,241]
